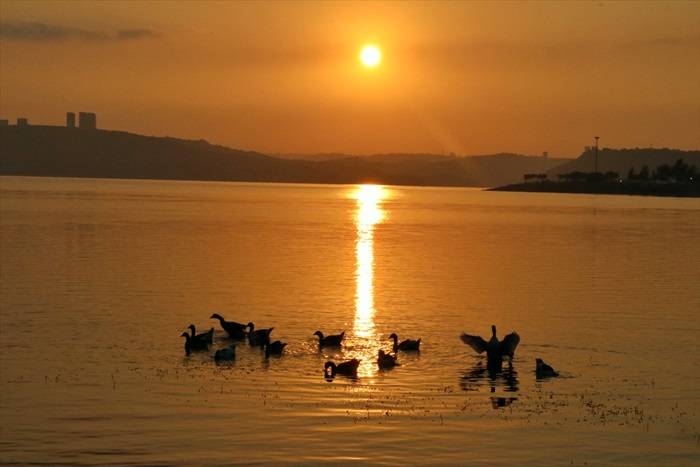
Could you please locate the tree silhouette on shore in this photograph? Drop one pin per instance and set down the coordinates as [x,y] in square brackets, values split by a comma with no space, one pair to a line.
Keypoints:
[680,172]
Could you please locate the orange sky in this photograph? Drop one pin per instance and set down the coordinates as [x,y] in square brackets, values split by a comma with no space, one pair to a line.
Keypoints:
[460,77]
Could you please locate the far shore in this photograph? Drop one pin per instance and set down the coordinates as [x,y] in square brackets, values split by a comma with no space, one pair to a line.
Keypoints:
[686,190]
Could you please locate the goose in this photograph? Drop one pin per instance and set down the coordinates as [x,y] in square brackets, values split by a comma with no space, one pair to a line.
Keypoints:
[208,336]
[191,345]
[543,370]
[329,341]
[407,345]
[226,354]
[274,348]
[495,349]
[259,337]
[385,360]
[348,368]
[235,330]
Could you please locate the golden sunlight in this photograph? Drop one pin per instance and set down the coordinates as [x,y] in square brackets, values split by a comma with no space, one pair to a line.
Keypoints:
[370,56]
[368,214]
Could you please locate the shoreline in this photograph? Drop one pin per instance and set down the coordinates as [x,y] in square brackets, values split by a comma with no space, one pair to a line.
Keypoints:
[615,188]
[679,190]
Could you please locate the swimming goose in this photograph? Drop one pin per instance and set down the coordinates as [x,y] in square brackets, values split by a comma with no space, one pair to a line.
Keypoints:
[226,354]
[274,348]
[543,370]
[407,345]
[329,341]
[192,345]
[235,330]
[495,350]
[207,337]
[348,368]
[259,337]
[385,360]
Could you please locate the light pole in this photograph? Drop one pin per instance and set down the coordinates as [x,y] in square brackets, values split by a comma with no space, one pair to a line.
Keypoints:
[596,153]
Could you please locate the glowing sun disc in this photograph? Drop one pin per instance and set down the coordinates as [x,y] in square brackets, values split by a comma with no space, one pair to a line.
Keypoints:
[370,56]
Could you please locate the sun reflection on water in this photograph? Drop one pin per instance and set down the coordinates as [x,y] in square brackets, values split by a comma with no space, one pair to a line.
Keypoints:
[367,215]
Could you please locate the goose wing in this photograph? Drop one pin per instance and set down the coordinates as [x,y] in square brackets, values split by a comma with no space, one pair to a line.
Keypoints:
[200,344]
[233,326]
[261,333]
[336,338]
[354,363]
[276,347]
[204,337]
[349,367]
[409,344]
[509,344]
[332,341]
[475,342]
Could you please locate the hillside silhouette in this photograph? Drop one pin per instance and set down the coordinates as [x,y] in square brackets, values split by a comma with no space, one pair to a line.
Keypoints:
[622,160]
[71,152]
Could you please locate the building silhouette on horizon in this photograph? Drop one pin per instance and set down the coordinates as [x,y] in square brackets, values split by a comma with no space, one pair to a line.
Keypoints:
[87,121]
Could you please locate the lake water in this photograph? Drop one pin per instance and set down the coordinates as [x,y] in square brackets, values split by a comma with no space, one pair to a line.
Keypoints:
[100,278]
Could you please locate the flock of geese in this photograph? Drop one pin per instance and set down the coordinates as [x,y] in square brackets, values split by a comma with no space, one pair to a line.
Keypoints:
[496,350]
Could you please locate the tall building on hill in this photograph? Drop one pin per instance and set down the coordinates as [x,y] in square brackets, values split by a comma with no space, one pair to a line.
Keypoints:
[22,121]
[70,119]
[87,121]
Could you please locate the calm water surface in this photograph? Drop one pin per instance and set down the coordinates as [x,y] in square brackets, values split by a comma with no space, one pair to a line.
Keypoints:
[100,278]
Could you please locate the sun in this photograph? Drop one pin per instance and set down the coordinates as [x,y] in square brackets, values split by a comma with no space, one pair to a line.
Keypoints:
[370,56]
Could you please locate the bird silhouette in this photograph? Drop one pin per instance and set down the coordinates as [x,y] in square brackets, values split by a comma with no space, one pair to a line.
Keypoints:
[348,368]
[542,370]
[329,341]
[495,349]
[406,345]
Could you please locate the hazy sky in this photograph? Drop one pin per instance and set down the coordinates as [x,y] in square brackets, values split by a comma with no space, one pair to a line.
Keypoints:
[465,77]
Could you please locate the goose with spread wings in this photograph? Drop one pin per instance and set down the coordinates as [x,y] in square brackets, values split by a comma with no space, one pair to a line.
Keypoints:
[495,349]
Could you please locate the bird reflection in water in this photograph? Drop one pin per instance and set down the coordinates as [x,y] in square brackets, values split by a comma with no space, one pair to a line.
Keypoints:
[498,402]
[497,377]
[367,215]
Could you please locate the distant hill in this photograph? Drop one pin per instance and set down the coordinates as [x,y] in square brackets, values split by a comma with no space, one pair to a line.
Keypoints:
[621,160]
[478,170]
[324,156]
[69,152]
[328,156]
[493,170]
